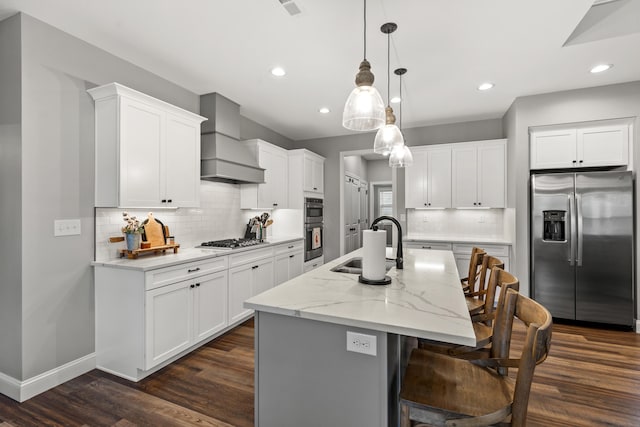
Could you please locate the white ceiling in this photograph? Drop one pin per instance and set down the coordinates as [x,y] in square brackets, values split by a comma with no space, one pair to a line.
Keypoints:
[449,47]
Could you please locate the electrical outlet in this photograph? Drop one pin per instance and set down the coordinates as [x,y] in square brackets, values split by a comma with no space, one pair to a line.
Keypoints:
[66,227]
[361,343]
[481,219]
[425,218]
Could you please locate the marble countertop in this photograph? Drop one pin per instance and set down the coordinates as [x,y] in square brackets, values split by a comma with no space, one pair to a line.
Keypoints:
[424,299]
[168,259]
[456,239]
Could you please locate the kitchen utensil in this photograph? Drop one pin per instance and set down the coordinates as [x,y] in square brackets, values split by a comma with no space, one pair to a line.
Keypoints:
[154,231]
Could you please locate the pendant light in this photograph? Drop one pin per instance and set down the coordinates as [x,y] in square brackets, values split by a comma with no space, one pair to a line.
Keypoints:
[364,109]
[400,154]
[388,135]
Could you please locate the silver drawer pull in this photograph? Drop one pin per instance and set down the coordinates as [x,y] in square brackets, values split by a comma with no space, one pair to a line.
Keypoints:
[193,270]
[426,247]
[290,247]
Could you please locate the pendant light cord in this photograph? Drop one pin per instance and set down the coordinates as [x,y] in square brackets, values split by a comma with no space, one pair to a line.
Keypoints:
[365,29]
[388,68]
[401,101]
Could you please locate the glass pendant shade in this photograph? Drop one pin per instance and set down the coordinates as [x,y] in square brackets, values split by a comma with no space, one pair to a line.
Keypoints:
[364,109]
[400,157]
[387,137]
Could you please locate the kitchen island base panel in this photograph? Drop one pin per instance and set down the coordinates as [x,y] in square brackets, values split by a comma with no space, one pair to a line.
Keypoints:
[305,376]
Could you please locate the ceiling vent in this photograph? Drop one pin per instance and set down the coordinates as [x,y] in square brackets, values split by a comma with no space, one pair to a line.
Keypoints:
[290,7]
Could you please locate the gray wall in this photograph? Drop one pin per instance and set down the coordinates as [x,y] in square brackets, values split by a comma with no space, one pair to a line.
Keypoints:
[378,170]
[356,165]
[57,163]
[250,130]
[331,148]
[599,103]
[10,199]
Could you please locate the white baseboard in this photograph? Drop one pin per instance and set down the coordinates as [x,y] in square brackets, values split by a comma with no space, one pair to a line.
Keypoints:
[24,390]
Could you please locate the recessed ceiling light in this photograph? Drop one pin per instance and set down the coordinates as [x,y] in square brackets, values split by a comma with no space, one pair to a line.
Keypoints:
[324,110]
[486,86]
[395,100]
[278,71]
[600,68]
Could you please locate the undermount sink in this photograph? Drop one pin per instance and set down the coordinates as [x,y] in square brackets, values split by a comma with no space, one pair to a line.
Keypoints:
[354,266]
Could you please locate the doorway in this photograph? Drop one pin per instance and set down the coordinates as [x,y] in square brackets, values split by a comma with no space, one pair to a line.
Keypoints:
[360,170]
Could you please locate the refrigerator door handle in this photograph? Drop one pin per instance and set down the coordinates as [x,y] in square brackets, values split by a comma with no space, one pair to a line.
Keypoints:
[572,235]
[579,229]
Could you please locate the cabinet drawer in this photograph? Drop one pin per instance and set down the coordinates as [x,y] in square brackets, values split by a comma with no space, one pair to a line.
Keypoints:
[440,246]
[289,247]
[494,250]
[249,256]
[164,276]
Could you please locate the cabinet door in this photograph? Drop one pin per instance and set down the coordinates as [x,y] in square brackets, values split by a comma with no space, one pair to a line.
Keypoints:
[308,184]
[210,305]
[318,175]
[603,146]
[464,176]
[491,175]
[414,181]
[168,322]
[141,128]
[273,193]
[263,276]
[438,181]
[240,289]
[553,149]
[296,264]
[181,162]
[281,267]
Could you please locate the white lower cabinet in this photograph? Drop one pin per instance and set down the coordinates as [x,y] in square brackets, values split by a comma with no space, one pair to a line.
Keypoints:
[182,314]
[313,264]
[250,273]
[289,260]
[146,318]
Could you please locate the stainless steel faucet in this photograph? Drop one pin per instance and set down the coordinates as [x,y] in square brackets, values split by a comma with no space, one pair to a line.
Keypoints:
[399,260]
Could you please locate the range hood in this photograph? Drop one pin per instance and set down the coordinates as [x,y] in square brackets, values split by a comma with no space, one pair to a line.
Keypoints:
[223,157]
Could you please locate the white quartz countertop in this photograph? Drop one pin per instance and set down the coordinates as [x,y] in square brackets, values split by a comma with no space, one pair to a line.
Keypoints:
[424,299]
[456,239]
[168,259]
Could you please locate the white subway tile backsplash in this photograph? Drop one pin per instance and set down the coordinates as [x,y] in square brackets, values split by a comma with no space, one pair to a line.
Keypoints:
[219,217]
[487,223]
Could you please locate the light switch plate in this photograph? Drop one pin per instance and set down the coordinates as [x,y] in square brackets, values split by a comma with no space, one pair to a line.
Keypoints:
[66,227]
[361,343]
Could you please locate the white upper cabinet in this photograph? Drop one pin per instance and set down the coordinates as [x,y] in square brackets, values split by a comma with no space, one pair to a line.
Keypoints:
[602,144]
[479,174]
[306,176]
[428,180]
[274,192]
[147,151]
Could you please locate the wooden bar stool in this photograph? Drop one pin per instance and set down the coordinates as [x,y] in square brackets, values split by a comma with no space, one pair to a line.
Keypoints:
[476,297]
[475,263]
[439,390]
[483,322]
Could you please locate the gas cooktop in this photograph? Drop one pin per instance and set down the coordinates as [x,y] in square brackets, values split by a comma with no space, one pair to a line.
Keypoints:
[230,243]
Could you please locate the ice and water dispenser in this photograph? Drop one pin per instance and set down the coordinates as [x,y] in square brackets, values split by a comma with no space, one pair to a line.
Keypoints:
[554,226]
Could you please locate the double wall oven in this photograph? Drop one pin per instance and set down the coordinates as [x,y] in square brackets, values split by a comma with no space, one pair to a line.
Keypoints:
[313,228]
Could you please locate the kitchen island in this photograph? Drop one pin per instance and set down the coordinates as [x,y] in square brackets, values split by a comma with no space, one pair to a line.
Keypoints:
[304,373]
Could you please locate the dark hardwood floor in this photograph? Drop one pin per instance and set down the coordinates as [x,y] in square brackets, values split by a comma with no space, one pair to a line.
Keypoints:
[591,378]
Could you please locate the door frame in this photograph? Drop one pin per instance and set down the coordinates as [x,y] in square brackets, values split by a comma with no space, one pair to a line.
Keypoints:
[394,187]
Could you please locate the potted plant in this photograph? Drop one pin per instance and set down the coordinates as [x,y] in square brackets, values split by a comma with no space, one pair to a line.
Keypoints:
[132,231]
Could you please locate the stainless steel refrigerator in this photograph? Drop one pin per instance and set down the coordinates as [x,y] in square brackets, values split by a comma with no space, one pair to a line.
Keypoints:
[582,245]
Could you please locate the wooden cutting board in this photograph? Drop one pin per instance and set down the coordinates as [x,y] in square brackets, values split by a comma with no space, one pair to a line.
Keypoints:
[154,232]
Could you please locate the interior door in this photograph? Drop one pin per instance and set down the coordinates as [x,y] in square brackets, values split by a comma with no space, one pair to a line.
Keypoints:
[552,258]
